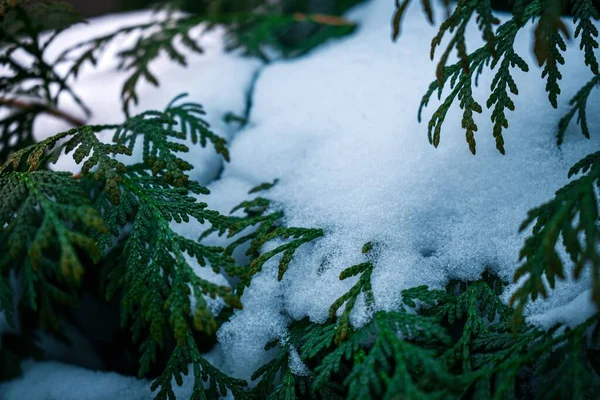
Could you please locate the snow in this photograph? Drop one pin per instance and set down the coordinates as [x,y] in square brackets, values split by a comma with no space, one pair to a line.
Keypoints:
[571,314]
[220,83]
[338,128]
[55,381]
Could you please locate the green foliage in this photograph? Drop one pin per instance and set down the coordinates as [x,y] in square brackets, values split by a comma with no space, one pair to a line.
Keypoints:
[498,52]
[50,219]
[578,105]
[265,225]
[585,14]
[573,216]
[31,87]
[393,365]
[218,383]
[253,28]
[462,75]
[292,384]
[549,44]
[460,342]
[362,286]
[42,214]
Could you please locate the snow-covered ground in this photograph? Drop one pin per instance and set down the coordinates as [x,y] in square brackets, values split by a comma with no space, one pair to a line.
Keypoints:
[339,129]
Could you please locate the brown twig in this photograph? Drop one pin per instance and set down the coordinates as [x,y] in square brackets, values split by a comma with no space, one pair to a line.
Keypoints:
[16,103]
[323,19]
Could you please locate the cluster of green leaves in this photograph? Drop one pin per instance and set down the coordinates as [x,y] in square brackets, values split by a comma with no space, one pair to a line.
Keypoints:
[497,53]
[263,224]
[572,215]
[452,343]
[30,84]
[252,26]
[54,224]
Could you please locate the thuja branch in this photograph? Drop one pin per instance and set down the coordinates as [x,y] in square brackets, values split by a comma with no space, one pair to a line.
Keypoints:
[44,108]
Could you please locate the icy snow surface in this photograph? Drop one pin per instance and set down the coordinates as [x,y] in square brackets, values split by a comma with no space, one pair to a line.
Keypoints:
[339,130]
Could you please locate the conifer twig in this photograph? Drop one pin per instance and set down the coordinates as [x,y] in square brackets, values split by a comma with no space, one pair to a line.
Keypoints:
[16,103]
[322,19]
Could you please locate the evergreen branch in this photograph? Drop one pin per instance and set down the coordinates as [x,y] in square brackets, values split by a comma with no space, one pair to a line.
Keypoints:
[45,218]
[392,365]
[218,383]
[362,286]
[584,13]
[295,382]
[549,44]
[267,228]
[578,105]
[572,215]
[504,356]
[473,305]
[29,89]
[464,73]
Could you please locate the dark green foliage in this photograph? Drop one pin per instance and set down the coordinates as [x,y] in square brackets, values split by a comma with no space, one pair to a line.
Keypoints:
[584,15]
[34,227]
[28,89]
[266,226]
[252,28]
[549,44]
[177,367]
[49,218]
[571,216]
[460,342]
[45,220]
[362,286]
[498,51]
[278,381]
[462,75]
[578,105]
[393,365]
[155,38]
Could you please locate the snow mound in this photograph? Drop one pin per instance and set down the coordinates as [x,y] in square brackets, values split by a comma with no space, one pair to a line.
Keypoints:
[339,130]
